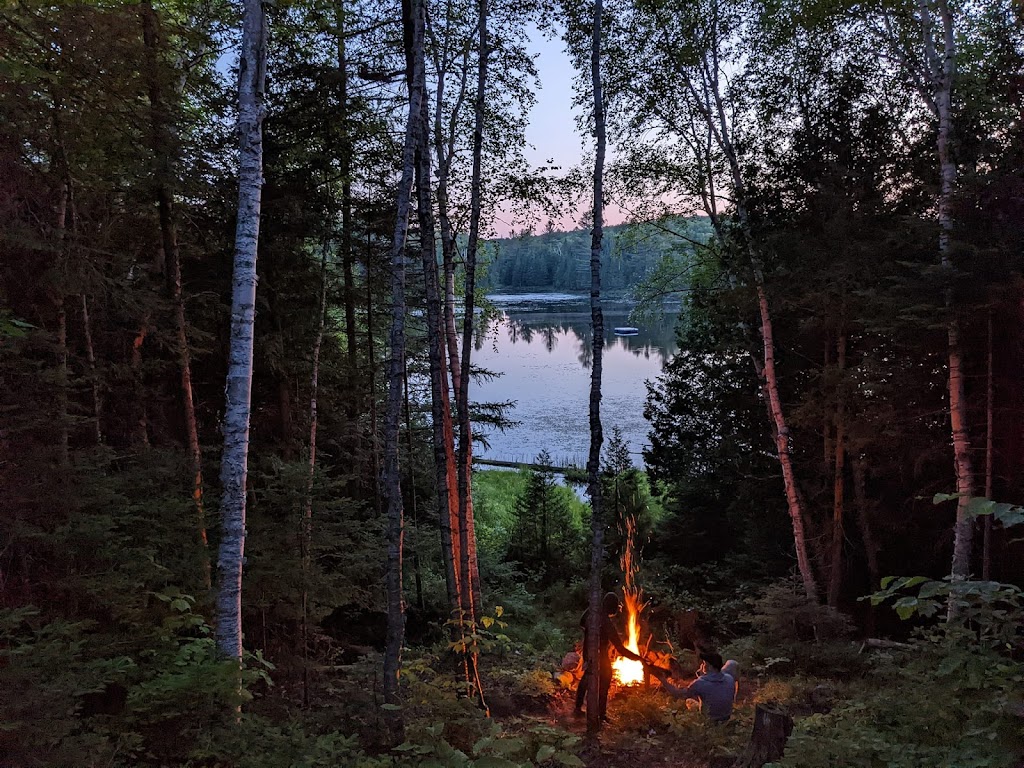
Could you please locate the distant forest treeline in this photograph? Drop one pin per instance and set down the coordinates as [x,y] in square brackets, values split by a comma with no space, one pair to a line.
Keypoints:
[561,260]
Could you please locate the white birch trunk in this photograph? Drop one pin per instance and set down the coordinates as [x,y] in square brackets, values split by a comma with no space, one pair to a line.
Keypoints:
[391,479]
[238,388]
[941,67]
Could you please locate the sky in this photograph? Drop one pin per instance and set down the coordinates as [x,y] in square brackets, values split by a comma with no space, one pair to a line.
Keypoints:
[552,133]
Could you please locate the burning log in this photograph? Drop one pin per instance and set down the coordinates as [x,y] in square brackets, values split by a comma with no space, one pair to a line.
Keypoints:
[629,671]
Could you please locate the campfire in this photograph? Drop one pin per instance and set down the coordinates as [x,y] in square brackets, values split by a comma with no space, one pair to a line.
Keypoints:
[627,671]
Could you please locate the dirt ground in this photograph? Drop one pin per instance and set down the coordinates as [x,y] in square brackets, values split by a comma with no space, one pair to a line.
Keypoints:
[650,728]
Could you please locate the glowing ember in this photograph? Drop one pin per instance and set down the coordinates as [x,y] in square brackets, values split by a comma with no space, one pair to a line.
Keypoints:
[627,671]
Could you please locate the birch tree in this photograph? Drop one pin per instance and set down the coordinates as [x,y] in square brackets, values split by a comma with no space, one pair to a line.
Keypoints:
[921,38]
[671,48]
[596,614]
[238,389]
[413,21]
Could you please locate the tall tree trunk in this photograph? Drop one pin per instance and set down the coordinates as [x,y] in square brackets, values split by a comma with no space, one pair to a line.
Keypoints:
[942,66]
[771,390]
[161,144]
[443,432]
[306,541]
[140,428]
[709,101]
[596,436]
[94,381]
[371,387]
[392,482]
[63,452]
[454,541]
[866,530]
[444,147]
[835,580]
[238,388]
[826,427]
[990,396]
[465,458]
[411,469]
[345,169]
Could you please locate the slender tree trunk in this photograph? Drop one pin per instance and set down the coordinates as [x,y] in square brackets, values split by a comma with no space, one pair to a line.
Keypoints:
[90,358]
[709,101]
[835,581]
[942,66]
[238,389]
[445,150]
[371,368]
[161,141]
[392,482]
[771,389]
[411,467]
[140,431]
[306,541]
[443,432]
[345,169]
[465,458]
[867,533]
[63,452]
[596,435]
[826,427]
[864,515]
[990,396]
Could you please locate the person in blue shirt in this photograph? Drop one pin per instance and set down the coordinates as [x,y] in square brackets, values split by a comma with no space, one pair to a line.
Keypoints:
[715,689]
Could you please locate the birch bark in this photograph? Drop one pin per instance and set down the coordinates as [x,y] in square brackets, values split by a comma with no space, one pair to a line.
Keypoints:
[392,483]
[465,458]
[443,431]
[597,340]
[238,387]
[941,69]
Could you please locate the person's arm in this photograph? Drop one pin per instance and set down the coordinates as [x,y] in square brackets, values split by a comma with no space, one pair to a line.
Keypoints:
[616,641]
[679,692]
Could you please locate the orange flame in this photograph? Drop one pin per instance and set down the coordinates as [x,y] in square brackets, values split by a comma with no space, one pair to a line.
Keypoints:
[627,671]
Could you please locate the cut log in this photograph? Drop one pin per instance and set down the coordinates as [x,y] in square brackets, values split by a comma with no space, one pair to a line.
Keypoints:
[772,727]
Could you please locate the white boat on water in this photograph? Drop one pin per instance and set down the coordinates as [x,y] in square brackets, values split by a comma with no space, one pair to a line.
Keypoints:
[626,330]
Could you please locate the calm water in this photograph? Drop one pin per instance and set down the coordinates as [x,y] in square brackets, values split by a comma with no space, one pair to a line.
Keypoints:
[541,345]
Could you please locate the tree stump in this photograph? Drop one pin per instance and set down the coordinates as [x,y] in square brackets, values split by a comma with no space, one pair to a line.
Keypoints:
[772,727]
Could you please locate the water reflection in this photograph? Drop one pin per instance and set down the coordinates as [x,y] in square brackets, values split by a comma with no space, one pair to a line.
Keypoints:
[542,348]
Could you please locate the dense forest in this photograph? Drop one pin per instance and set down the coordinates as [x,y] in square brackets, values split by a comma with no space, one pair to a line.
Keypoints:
[243,247]
[630,256]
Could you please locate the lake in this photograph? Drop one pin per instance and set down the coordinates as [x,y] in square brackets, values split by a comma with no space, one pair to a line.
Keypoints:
[540,344]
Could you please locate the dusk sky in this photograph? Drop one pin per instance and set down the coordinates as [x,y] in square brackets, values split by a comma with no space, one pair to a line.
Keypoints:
[552,130]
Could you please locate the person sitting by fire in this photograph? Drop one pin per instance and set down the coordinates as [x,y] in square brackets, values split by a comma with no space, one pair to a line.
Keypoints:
[608,639]
[714,689]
